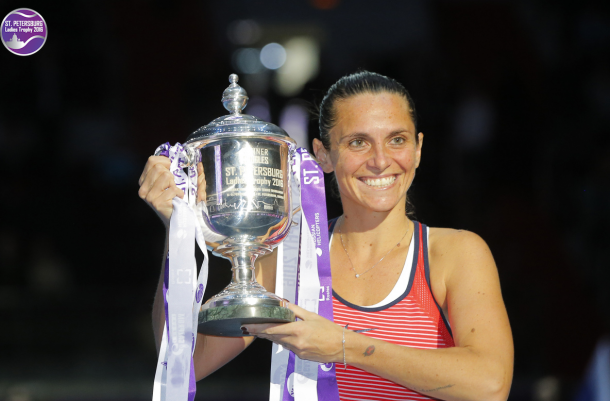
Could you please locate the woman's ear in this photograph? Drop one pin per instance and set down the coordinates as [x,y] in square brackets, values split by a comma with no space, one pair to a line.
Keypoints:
[322,156]
[420,143]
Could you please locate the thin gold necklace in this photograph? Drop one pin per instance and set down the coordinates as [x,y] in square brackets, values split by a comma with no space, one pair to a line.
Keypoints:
[350,259]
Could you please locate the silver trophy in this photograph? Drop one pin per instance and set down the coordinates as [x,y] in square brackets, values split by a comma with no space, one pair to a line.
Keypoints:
[243,207]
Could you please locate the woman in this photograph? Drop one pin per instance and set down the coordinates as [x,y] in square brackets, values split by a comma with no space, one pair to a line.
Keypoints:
[425,304]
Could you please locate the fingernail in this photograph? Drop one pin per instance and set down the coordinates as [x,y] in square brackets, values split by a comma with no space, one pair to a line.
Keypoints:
[244,330]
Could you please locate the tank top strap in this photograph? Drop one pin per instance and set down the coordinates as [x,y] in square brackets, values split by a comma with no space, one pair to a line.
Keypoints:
[331,224]
[426,294]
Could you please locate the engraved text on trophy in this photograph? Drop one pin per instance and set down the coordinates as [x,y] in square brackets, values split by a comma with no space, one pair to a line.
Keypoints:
[245,186]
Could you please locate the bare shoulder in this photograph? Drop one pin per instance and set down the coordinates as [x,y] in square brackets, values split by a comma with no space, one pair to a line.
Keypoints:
[455,250]
[455,242]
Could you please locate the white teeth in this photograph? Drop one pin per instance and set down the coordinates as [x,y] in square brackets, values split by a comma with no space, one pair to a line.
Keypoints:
[380,182]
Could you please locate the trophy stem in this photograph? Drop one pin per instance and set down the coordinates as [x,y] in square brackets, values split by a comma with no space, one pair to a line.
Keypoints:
[243,301]
[243,268]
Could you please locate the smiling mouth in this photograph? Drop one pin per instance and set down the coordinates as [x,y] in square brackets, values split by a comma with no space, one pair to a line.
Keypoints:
[379,182]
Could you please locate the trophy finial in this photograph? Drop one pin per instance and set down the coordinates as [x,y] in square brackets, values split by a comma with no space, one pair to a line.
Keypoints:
[234,98]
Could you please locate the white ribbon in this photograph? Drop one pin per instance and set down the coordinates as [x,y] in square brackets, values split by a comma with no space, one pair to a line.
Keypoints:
[306,372]
[185,291]
[285,284]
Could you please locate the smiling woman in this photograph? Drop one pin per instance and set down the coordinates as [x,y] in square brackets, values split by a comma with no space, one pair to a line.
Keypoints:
[359,84]
[418,311]
[425,314]
[373,150]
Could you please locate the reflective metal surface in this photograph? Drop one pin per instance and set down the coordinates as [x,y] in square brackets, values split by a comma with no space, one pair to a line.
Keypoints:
[245,205]
[236,124]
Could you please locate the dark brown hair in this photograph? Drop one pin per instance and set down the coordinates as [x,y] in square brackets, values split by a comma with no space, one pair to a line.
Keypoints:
[355,84]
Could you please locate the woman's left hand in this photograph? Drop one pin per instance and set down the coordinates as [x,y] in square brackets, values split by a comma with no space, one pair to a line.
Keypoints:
[313,338]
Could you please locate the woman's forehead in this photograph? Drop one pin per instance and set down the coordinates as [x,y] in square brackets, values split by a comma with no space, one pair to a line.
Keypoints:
[370,111]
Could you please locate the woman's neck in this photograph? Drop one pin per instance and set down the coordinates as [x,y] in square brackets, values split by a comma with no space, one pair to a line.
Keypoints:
[373,229]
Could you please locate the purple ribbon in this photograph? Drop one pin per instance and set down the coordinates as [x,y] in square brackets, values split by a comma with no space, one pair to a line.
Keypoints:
[314,207]
[163,150]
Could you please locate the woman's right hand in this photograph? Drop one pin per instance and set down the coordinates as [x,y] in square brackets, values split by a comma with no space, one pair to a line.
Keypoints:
[157,187]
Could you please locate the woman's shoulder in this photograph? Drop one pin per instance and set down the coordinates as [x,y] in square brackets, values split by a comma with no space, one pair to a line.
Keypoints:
[449,238]
[451,248]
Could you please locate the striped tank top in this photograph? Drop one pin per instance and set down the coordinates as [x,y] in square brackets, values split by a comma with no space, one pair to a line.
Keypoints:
[413,319]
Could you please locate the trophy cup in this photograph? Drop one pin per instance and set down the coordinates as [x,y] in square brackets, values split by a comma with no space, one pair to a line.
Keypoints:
[244,208]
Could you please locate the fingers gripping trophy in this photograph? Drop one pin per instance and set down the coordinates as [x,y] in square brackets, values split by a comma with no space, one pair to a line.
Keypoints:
[243,207]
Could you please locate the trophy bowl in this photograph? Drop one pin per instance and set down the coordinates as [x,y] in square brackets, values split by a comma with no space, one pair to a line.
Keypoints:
[244,209]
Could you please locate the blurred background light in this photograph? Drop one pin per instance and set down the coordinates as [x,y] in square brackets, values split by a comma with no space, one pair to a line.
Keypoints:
[258,107]
[273,56]
[302,64]
[294,119]
[247,60]
[324,4]
[547,389]
[473,122]
[244,32]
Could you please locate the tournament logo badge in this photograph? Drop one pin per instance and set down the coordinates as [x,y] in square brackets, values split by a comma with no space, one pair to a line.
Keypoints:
[24,31]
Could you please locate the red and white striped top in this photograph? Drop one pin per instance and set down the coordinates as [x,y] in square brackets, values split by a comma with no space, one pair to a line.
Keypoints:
[413,320]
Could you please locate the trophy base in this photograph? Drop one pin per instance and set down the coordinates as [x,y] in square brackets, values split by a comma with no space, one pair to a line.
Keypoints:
[226,321]
[239,304]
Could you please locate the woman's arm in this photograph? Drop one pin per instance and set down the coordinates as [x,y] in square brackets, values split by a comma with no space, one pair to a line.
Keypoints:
[157,188]
[479,367]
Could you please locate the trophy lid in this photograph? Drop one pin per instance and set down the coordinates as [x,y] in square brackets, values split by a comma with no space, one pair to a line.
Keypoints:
[236,124]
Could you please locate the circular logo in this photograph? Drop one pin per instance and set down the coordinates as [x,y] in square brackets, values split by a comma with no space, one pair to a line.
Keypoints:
[290,384]
[326,366]
[24,31]
[199,293]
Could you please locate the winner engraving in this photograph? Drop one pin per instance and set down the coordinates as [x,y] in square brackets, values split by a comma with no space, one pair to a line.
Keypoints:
[256,204]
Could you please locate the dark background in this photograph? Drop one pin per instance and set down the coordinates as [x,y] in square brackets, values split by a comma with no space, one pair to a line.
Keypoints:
[513,98]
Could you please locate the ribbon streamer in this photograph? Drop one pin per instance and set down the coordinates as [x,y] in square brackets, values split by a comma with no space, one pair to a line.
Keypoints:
[182,290]
[286,283]
[307,380]
[304,278]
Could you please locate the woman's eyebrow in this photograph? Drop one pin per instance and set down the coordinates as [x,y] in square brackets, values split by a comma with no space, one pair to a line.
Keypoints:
[399,131]
[354,136]
[364,135]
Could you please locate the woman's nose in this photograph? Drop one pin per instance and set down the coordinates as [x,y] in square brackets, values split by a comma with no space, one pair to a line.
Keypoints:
[379,158]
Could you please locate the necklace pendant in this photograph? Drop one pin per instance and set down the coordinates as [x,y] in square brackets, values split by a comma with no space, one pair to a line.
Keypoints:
[357,275]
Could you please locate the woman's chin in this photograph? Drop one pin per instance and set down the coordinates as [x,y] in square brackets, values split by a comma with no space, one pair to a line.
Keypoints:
[382,209]
[382,205]
[375,201]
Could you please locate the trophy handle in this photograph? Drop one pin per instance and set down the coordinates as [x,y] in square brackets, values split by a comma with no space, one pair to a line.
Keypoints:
[192,155]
